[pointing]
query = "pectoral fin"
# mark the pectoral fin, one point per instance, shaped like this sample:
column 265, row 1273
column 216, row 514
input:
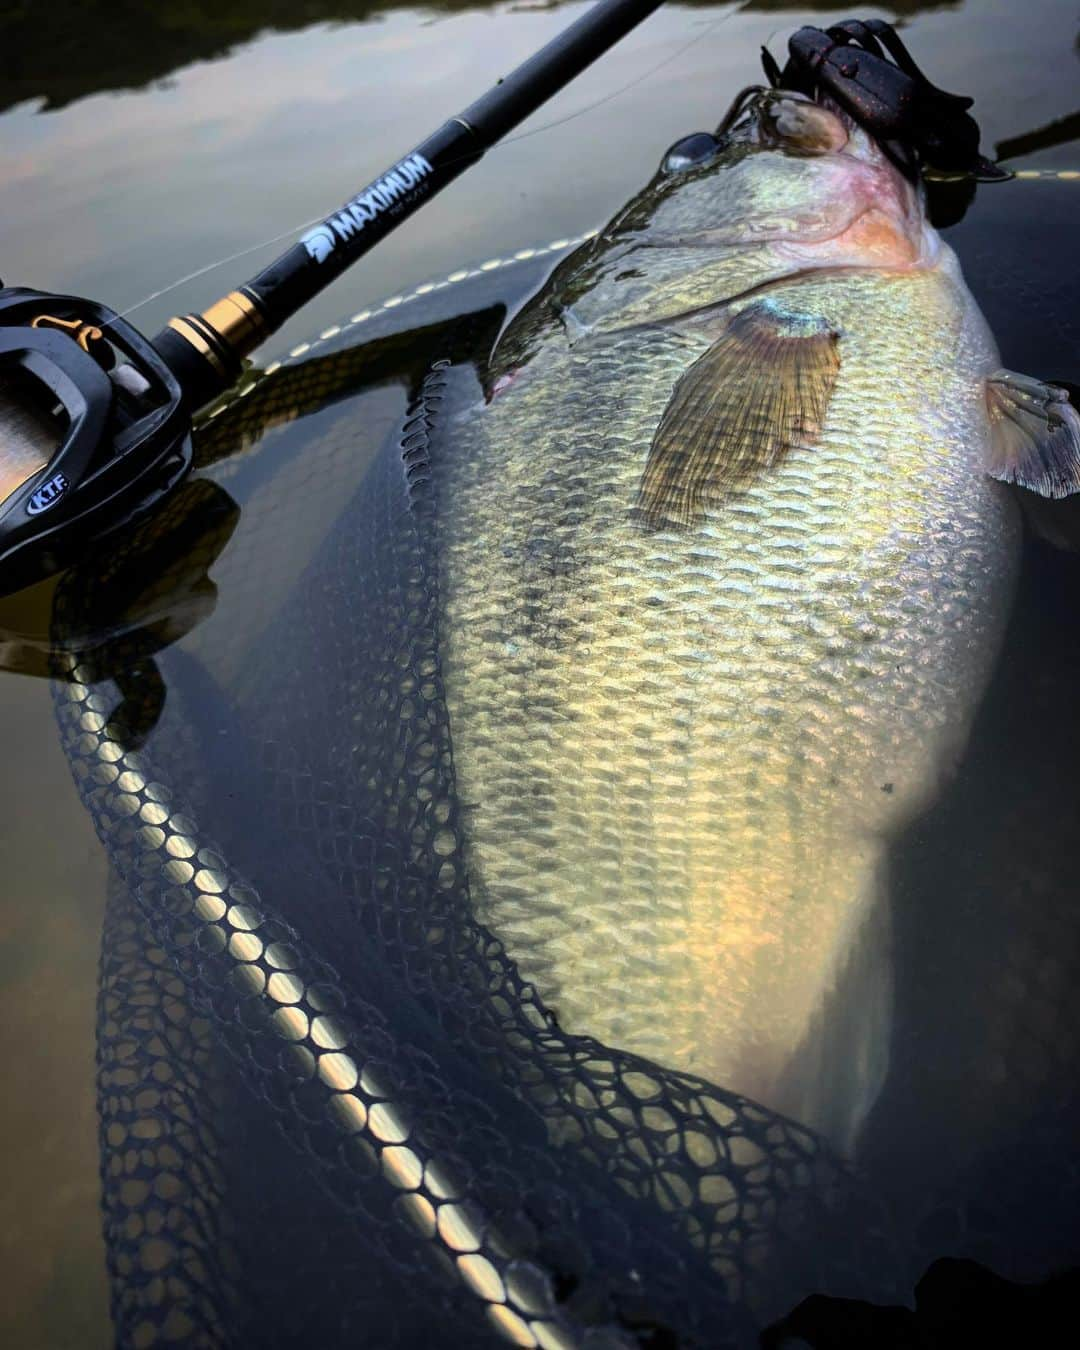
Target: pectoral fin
column 1035, row 435
column 761, row 389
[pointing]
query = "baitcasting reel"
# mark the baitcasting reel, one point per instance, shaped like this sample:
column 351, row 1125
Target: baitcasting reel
column 93, row 424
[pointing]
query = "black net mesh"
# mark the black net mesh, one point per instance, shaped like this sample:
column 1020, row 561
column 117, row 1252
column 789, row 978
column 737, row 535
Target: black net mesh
column 331, row 1109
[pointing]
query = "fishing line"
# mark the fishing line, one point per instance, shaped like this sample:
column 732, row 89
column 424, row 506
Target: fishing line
column 221, row 262
column 616, row 93
column 548, row 126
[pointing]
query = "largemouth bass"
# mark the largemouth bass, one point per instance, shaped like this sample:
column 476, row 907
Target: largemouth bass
column 724, row 573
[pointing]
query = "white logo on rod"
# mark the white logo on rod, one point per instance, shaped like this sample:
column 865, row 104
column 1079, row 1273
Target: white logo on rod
column 390, row 190
column 319, row 242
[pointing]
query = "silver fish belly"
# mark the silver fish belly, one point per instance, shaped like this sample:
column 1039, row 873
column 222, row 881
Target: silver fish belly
column 683, row 753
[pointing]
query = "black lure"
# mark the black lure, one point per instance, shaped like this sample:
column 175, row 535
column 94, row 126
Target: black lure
column 920, row 126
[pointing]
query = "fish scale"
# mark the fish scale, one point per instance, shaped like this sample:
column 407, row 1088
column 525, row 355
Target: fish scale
column 685, row 752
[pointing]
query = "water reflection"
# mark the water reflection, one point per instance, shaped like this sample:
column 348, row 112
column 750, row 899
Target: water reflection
column 70, row 49
column 144, row 593
column 1062, row 131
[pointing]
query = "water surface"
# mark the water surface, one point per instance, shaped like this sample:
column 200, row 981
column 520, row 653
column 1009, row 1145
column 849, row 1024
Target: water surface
column 138, row 148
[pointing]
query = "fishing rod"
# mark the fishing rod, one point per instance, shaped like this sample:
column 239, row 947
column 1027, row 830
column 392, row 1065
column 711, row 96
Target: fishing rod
column 95, row 419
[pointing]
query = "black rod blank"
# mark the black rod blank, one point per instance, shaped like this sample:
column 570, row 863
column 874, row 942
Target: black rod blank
column 205, row 352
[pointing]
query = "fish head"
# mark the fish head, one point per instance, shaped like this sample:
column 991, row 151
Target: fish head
column 786, row 176
column 782, row 187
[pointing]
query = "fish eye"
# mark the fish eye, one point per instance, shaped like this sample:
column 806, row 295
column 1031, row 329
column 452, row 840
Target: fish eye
column 691, row 150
